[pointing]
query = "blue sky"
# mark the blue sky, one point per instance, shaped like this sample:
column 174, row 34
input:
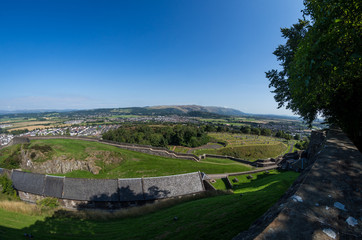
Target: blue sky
column 95, row 54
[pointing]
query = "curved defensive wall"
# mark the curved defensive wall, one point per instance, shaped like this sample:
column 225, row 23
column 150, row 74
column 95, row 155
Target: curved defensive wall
column 110, row 193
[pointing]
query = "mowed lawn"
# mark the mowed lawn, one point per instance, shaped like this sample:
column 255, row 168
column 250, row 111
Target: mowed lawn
column 132, row 164
column 219, row 217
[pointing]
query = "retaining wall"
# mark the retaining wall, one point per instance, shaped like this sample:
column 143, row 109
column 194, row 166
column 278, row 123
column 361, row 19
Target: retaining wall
column 76, row 191
column 230, row 158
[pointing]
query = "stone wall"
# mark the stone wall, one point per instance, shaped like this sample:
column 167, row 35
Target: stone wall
column 230, row 158
column 324, row 202
column 82, row 192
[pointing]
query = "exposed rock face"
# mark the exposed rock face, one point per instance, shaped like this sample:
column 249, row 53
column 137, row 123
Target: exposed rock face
column 63, row 164
column 59, row 165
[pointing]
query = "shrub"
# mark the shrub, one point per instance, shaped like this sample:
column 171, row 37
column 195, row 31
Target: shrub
column 48, row 202
column 7, row 186
column 42, row 148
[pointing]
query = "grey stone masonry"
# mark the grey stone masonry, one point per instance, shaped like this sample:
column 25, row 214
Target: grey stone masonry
column 324, row 202
column 91, row 189
column 107, row 190
column 28, row 182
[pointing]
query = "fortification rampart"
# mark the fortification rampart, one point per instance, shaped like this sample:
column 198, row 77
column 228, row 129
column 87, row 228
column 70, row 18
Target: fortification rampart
column 324, row 202
column 228, row 157
column 79, row 192
column 157, row 151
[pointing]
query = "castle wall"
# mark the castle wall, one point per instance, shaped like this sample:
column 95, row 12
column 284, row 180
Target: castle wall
column 324, row 202
column 110, row 193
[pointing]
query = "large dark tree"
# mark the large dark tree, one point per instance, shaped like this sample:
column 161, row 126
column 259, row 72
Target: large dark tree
column 322, row 65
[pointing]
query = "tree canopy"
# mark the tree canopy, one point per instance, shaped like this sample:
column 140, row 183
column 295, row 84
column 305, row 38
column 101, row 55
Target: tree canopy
column 322, row 65
column 159, row 136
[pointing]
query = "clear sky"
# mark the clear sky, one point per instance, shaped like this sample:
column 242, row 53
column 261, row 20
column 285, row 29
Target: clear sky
column 94, row 54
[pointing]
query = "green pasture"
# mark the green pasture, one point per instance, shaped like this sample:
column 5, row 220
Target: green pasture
column 250, row 153
column 129, row 164
column 240, row 139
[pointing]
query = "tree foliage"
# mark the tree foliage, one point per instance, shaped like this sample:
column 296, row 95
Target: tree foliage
column 322, row 65
column 7, row 186
column 159, row 136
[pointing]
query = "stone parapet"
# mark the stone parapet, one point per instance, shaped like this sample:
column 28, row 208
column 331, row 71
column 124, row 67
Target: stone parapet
column 324, row 202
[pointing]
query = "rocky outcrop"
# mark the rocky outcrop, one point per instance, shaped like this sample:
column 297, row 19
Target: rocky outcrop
column 63, row 164
column 59, row 165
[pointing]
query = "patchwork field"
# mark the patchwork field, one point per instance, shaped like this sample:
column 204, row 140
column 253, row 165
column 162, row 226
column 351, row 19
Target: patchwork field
column 124, row 164
column 31, row 124
column 218, row 217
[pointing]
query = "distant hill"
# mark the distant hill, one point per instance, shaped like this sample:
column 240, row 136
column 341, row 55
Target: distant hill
column 185, row 109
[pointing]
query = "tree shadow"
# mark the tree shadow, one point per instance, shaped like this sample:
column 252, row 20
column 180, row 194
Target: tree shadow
column 333, row 178
column 62, row 225
column 126, row 197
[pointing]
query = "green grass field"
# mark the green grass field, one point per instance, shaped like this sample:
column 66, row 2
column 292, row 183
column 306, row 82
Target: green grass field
column 219, row 217
column 240, row 139
column 246, row 146
column 130, row 164
column 250, row 153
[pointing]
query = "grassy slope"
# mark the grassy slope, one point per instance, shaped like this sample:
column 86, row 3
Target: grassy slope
column 220, row 217
column 246, row 146
column 251, row 153
column 133, row 164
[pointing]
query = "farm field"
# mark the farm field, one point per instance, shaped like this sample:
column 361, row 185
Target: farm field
column 31, row 124
column 218, row 217
column 126, row 164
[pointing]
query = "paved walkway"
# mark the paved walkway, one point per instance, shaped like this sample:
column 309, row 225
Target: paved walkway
column 291, row 148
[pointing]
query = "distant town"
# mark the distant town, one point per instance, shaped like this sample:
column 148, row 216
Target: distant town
column 94, row 123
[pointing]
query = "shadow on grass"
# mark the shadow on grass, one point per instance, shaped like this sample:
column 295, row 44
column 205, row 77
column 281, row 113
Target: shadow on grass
column 247, row 209
column 259, row 180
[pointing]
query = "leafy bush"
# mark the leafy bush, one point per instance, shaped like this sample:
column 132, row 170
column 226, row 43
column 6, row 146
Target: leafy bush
column 42, row 148
column 32, row 155
column 48, row 202
column 12, row 161
column 302, row 145
column 7, row 186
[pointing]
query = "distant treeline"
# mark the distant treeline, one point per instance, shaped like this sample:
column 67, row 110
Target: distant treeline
column 14, row 132
column 159, row 136
column 189, row 135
